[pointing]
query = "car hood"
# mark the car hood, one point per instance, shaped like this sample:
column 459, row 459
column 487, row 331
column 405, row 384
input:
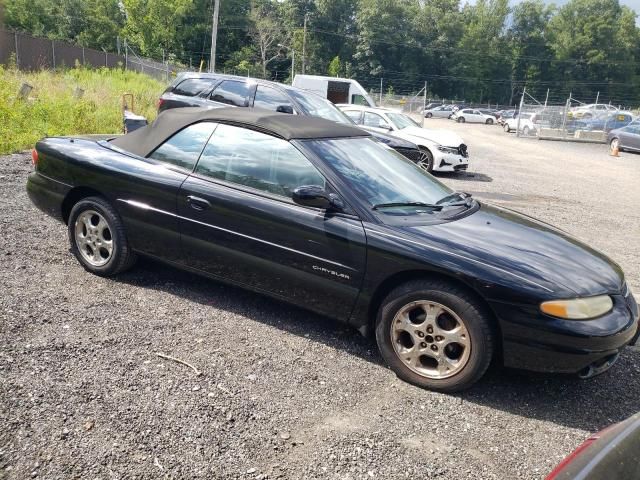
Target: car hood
column 529, row 250
column 441, row 137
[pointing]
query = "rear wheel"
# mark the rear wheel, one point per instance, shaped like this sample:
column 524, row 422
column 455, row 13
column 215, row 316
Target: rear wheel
column 489, row 121
column 435, row 334
column 426, row 160
column 97, row 237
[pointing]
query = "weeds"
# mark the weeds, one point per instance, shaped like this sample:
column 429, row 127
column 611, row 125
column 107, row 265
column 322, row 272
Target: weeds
column 53, row 109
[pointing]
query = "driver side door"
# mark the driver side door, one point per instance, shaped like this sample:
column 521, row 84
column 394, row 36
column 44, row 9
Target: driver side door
column 375, row 122
column 239, row 223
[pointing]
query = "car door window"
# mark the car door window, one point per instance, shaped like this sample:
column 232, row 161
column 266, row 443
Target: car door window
column 256, row 160
column 354, row 115
column 232, row 93
column 271, row 99
column 193, row 86
column 373, row 120
column 183, row 148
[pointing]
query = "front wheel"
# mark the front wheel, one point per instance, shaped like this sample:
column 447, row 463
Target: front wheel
column 429, row 115
column 615, row 144
column 525, row 131
column 435, row 334
column 97, row 237
column 489, row 121
column 461, row 120
column 426, row 160
column 506, row 128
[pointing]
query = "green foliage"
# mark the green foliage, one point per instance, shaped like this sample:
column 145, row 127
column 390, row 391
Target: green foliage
column 54, row 110
column 480, row 51
column 335, row 67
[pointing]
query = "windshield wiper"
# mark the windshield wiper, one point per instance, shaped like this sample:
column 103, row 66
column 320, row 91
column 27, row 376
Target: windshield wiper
column 408, row 204
column 465, row 200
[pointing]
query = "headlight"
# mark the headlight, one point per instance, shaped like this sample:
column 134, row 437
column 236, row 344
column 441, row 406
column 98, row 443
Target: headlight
column 447, row 149
column 578, row 308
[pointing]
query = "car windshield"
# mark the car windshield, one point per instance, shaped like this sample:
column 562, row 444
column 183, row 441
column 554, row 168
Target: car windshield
column 381, row 177
column 316, row 106
column 401, row 121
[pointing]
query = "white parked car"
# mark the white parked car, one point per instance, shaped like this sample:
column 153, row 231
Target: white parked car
column 442, row 111
column 591, row 110
column 526, row 125
column 444, row 151
column 472, row 115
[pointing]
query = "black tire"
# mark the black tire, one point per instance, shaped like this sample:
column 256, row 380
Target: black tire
column 525, row 131
column 121, row 257
column 461, row 120
column 489, row 121
column 429, row 115
column 475, row 317
column 506, row 128
column 426, row 163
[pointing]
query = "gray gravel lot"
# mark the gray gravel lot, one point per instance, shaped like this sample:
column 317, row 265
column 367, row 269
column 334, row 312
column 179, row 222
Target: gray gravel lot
column 285, row 393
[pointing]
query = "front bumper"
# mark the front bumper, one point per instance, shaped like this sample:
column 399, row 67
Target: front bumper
column 449, row 162
column 534, row 341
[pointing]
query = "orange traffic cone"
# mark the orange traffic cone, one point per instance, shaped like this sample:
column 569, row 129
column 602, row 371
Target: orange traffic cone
column 615, row 151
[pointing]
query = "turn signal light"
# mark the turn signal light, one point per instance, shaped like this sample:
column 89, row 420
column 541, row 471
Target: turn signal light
column 34, row 157
column 578, row 308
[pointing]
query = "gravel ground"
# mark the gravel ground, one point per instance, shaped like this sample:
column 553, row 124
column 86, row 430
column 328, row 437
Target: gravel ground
column 284, row 393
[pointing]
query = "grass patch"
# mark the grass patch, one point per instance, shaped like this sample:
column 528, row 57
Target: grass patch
column 52, row 108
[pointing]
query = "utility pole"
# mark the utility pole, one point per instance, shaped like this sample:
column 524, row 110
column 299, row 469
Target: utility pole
column 214, row 36
column 380, row 101
column 424, row 103
column 293, row 64
column 304, row 43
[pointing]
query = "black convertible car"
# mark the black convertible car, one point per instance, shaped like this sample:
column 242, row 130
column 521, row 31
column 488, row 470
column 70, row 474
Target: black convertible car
column 322, row 216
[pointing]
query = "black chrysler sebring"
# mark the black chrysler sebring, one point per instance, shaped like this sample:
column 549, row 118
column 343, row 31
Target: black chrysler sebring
column 320, row 215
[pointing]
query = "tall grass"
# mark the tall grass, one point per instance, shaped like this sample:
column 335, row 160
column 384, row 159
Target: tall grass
column 53, row 108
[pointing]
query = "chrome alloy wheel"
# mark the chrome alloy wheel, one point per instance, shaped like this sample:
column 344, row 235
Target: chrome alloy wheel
column 430, row 339
column 425, row 162
column 93, row 238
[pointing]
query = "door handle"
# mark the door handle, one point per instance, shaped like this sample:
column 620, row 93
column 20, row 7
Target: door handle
column 198, row 203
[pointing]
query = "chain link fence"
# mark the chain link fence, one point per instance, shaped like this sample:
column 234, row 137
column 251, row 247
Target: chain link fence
column 34, row 53
column 573, row 120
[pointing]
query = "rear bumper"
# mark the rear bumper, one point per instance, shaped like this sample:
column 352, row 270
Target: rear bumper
column 534, row 341
column 47, row 194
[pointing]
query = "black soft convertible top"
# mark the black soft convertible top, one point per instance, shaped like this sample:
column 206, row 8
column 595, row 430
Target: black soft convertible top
column 145, row 140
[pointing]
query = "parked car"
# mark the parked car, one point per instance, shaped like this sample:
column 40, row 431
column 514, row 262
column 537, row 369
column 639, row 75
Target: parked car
column 524, row 122
column 604, row 123
column 613, row 453
column 194, row 89
column 318, row 214
column 336, row 90
column 442, row 111
column 590, row 110
column 489, row 112
column 625, row 138
column 444, row 151
column 506, row 115
column 472, row 115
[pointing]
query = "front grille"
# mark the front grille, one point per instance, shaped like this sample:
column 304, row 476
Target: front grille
column 462, row 149
column 412, row 154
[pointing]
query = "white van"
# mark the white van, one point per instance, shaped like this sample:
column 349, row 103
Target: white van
column 334, row 89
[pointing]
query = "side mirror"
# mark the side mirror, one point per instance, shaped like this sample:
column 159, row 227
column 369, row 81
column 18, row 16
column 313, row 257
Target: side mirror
column 384, row 125
column 284, row 109
column 317, row 197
